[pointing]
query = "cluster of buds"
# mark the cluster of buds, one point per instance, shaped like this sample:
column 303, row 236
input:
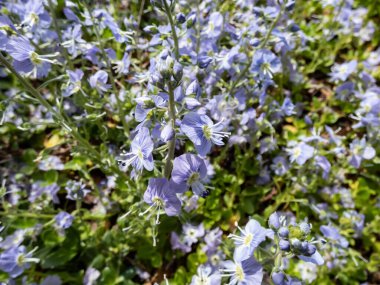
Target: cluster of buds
column 168, row 71
column 294, row 238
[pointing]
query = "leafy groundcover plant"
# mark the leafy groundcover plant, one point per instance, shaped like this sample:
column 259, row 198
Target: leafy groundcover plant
column 189, row 142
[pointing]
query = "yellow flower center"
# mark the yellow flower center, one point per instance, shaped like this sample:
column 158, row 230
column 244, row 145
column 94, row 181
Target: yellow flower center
column 239, row 273
column 247, row 240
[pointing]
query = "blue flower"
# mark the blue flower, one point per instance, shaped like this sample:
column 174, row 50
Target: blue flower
column 315, row 258
column 300, row 153
column 76, row 190
column 332, row 233
column 214, row 27
column 73, row 40
column 34, row 15
column 38, row 189
column 26, row 59
column 201, row 130
column 140, row 155
column 288, row 107
column 52, row 280
column 91, row 276
column 243, row 271
column 15, row 260
column 122, row 66
column 189, row 171
column 204, row 61
column 274, row 221
column 343, row 71
column 360, row 150
column 213, row 239
column 250, row 238
column 63, row 220
column 193, row 233
column 75, row 82
column 265, row 63
column 51, row 162
column 5, row 26
column 324, row 164
column 280, row 165
column 99, row 81
column 206, row 276
column 160, row 195
column 193, row 89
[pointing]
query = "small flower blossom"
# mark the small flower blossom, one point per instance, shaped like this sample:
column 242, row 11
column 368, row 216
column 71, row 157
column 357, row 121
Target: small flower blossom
column 360, row 150
column 193, row 233
column 343, row 71
column 203, row 132
column 76, row 190
column 122, row 66
column 332, row 234
column 75, row 82
column 301, row 153
column 140, row 155
column 250, row 238
column 26, row 59
column 38, row 189
column 15, row 260
column 52, row 162
column 308, row 271
column 160, row 195
column 63, row 220
column 189, row 171
column 265, row 64
column 205, row 276
column 91, row 276
column 242, row 271
column 99, row 81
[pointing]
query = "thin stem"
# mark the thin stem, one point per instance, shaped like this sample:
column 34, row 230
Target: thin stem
column 175, row 38
column 59, row 119
column 141, row 11
column 198, row 29
column 112, row 78
column 59, row 34
column 171, row 144
column 263, row 43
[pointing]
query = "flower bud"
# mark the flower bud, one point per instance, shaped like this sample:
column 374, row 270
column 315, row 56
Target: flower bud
column 167, row 133
column 305, row 228
column 254, row 42
column 283, row 232
column 192, row 89
column 204, row 61
column 284, row 245
column 191, row 21
column 157, row 80
column 164, row 54
column 181, row 18
column 296, row 243
column 274, row 221
column 311, row 249
column 177, row 71
column 294, row 28
column 278, row 278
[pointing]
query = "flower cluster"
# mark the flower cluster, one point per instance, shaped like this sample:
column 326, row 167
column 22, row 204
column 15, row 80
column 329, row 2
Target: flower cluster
column 134, row 136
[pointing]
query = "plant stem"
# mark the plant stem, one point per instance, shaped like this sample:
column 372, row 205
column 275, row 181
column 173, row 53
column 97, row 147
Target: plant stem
column 172, row 115
column 59, row 34
column 263, row 44
column 58, row 118
column 175, row 38
column 171, row 144
column 112, row 78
